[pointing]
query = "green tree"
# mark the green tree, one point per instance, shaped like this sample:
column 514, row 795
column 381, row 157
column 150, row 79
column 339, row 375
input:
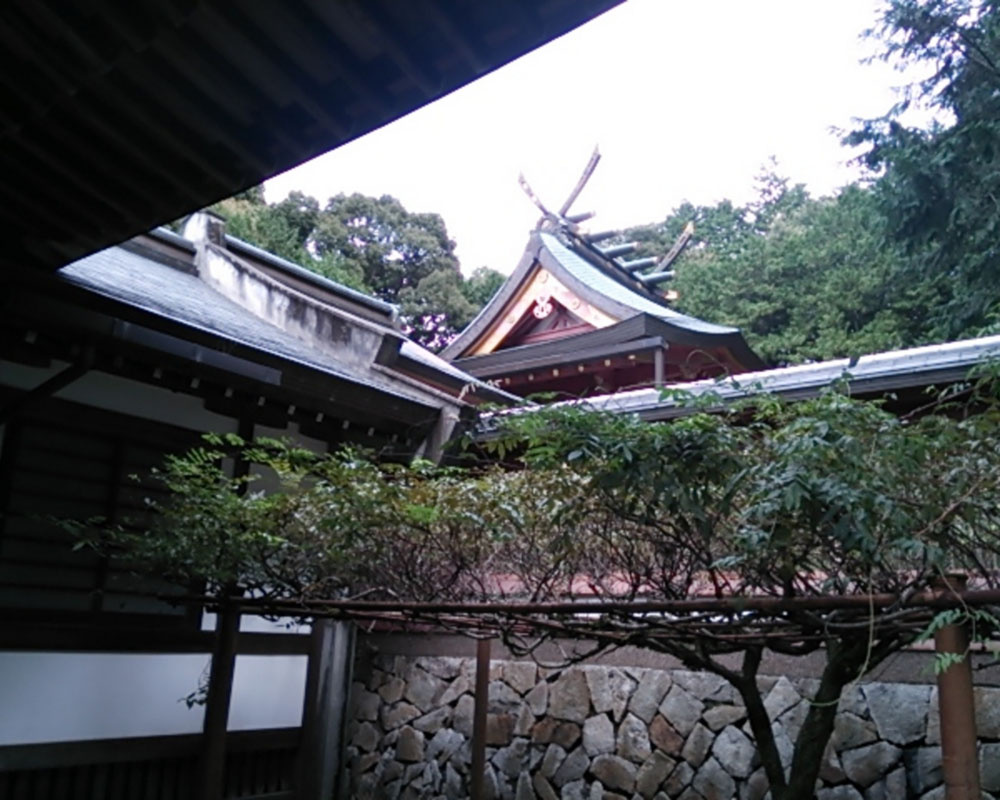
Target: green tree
column 481, row 285
column 804, row 278
column 939, row 184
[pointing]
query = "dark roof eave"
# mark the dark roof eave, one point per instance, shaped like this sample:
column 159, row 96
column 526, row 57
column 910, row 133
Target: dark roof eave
column 293, row 373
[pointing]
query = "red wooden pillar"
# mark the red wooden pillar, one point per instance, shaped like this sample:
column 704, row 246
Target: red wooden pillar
column 959, row 758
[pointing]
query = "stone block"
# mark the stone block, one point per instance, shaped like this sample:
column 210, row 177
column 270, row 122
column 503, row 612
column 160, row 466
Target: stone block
column 989, row 766
column 499, row 729
column 614, row 772
column 524, row 790
column 649, row 694
column 735, row 752
column 392, row 690
column 553, row 759
column 366, row 737
column 461, row 685
column 521, row 676
column 443, row 744
column 461, row 719
column 433, row 721
column 422, row 688
column 663, row 735
column 569, row 697
column 699, row 743
column 843, row 792
column 572, row 768
column 410, row 745
column 987, row 711
column 397, row 715
column 899, row 710
column 512, row 759
column 610, row 690
column 653, row 773
column 543, row 788
column 681, row 709
column 867, row 764
column 712, row 782
column 598, row 735
column 783, row 696
column 633, row 739
column 718, row 717
column 503, row 699
column 538, row 699
column 679, row 779
column 566, row 734
column 850, row 731
column 366, row 705
column 705, row 686
column 923, row 768
column 442, row 667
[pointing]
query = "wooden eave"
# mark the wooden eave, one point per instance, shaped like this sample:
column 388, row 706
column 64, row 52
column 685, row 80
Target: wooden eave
column 120, row 117
column 123, row 333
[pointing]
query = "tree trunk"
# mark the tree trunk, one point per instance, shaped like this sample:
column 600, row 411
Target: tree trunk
column 760, row 725
column 844, row 661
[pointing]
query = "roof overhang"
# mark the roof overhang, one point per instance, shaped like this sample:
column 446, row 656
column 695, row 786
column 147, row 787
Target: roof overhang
column 118, row 118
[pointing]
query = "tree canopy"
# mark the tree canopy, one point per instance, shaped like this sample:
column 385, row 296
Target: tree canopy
column 374, row 245
column 806, row 279
column 938, row 185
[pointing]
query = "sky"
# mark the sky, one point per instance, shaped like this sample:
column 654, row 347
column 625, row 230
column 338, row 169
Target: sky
column 686, row 101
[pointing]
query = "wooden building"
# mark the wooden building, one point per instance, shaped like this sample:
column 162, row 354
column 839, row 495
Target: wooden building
column 106, row 366
column 118, row 118
column 576, row 318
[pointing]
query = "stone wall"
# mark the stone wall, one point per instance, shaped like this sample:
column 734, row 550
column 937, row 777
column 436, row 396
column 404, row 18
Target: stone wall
column 603, row 732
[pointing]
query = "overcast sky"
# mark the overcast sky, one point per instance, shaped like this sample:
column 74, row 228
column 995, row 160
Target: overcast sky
column 687, row 100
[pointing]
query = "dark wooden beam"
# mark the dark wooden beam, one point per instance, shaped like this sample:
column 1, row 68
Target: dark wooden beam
column 141, row 748
column 477, row 772
column 220, row 691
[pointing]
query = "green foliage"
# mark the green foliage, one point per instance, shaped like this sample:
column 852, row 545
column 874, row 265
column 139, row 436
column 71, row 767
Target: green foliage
column 938, row 185
column 805, row 279
column 374, row 245
column 830, row 496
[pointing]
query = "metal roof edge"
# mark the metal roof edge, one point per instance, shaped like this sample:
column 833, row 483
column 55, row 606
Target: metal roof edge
column 885, row 371
column 168, row 236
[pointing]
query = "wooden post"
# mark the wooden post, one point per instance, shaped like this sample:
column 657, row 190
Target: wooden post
column 658, row 367
column 220, row 692
column 324, row 716
column 477, row 774
column 956, row 703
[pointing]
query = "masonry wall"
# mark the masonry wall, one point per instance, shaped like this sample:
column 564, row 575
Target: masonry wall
column 607, row 732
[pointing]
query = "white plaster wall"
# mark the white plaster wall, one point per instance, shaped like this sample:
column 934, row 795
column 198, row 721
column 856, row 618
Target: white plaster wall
column 48, row 697
column 51, row 697
column 268, row 692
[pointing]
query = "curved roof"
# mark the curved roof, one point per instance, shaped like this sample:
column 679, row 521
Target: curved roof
column 606, row 287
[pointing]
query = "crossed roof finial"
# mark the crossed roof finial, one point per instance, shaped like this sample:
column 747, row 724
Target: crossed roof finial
column 562, row 220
